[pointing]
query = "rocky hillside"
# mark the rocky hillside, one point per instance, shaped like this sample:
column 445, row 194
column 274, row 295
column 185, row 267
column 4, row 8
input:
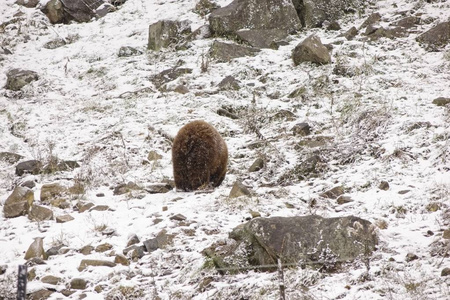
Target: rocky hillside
column 336, row 116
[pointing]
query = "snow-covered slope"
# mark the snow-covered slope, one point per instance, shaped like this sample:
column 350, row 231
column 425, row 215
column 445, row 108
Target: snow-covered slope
column 103, row 111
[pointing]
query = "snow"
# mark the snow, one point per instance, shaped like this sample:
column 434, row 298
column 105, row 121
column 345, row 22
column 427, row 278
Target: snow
column 75, row 111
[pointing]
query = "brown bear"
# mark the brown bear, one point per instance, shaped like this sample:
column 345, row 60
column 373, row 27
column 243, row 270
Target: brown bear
column 199, row 157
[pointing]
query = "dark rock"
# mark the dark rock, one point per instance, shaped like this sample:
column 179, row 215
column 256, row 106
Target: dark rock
column 224, row 52
column 3, row 269
column 54, row 10
column 28, row 184
column 169, row 75
column 80, row 10
column 17, row 79
column 343, row 199
column 40, row 213
column 178, row 217
column 36, row 249
column 277, row 15
column 127, row 51
column 441, row 101
column 313, row 13
column 78, row 284
column 371, row 20
column 257, row 165
column 311, row 50
column 333, row 193
column 82, row 207
column 408, row 22
column 262, row 38
column 56, row 43
column 226, row 113
column 164, row 33
column 158, row 188
column 371, row 29
column 54, row 250
column 239, row 190
column 95, row 263
column 29, row 167
column 326, row 242
column 161, row 240
column 350, row 34
column 334, row 26
column 18, row 203
column 50, row 279
column 411, row 257
column 384, row 185
column 302, row 129
column 133, row 240
column 10, row 158
column 125, row 188
column 435, row 38
column 229, row 83
column 28, row 3
column 445, row 272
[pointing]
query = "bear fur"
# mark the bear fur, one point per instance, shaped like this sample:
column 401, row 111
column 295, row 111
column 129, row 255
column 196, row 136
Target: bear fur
column 199, row 157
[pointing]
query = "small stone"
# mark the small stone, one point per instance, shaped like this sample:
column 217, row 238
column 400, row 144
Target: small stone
column 95, row 263
column 433, row 206
column 82, row 207
column 161, row 240
column 121, row 259
column 257, row 165
column 445, row 272
column 101, row 208
column 50, row 279
column 100, row 195
column 239, row 190
column 86, row 250
column 429, row 233
column 411, row 257
column 384, row 185
column 255, row 214
column 441, row 101
column 311, row 50
column 98, row 289
column 302, row 129
column 36, row 249
column 31, row 274
column 344, row 199
column 402, row 192
column 3, row 269
column 133, row 240
column 178, row 217
column 78, row 284
column 165, row 208
column 350, row 34
column 333, row 193
column 64, row 218
column 125, row 188
column 446, row 234
column 103, row 247
column 153, row 155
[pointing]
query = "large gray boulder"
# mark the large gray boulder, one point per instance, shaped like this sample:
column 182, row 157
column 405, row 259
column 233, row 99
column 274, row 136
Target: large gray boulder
column 16, row 79
column 313, row 13
column 305, row 240
column 312, row 50
column 276, row 17
column 435, row 38
column 64, row 11
column 164, row 33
